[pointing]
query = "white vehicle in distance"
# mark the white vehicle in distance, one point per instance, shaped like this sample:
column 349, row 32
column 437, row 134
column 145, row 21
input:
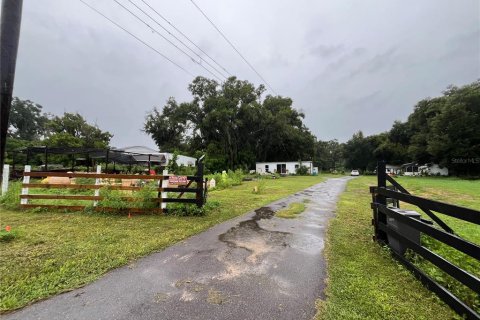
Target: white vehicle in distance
column 355, row 173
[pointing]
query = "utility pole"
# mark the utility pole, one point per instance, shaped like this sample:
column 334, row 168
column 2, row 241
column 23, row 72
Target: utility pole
column 9, row 36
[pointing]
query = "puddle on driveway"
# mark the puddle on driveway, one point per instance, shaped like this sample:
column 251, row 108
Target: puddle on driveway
column 248, row 235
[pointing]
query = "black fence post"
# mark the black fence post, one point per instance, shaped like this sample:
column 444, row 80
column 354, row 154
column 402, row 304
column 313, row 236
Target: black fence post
column 380, row 199
column 200, row 183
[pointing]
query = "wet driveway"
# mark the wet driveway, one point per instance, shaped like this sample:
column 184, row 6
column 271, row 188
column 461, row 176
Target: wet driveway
column 256, row 266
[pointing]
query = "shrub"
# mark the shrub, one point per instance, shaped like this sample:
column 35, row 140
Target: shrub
column 11, row 199
column 302, row 171
column 7, row 236
column 112, row 199
column 259, row 187
column 228, row 179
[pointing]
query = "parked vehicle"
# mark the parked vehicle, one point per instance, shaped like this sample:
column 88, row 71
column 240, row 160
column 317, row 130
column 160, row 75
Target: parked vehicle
column 355, row 173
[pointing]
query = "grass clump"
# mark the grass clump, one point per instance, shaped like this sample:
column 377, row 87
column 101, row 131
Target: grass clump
column 11, row 199
column 293, row 210
column 228, row 179
column 7, row 236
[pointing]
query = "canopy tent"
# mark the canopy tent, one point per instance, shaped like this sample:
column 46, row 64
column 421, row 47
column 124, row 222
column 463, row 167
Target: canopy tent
column 122, row 156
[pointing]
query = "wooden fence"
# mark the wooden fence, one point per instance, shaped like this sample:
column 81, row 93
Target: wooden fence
column 401, row 230
column 129, row 182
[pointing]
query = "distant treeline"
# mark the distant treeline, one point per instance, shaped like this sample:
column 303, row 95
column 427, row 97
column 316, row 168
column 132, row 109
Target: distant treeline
column 29, row 126
column 235, row 126
column 443, row 130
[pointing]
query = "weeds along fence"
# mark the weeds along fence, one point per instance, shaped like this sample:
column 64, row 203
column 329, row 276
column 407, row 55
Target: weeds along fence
column 133, row 193
column 401, row 230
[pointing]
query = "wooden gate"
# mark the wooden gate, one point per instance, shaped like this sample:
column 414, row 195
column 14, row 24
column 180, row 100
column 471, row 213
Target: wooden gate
column 166, row 193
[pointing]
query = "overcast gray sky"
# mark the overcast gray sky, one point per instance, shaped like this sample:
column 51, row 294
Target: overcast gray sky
column 348, row 65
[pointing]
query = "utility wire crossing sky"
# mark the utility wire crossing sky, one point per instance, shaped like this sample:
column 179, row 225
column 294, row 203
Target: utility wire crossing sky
column 347, row 65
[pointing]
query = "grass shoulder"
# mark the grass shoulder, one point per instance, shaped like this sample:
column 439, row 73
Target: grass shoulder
column 364, row 281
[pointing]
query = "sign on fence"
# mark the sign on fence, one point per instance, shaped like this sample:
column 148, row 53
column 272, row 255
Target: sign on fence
column 177, row 180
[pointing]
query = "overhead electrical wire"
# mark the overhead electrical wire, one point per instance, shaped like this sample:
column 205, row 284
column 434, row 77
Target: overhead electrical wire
column 234, row 48
column 137, row 38
column 168, row 40
column 186, row 37
column 179, row 40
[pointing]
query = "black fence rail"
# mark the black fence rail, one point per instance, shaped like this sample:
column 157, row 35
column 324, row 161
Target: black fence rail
column 401, row 230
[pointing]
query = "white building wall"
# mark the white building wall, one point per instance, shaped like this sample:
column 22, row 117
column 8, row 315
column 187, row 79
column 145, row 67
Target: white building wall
column 181, row 160
column 436, row 170
column 290, row 166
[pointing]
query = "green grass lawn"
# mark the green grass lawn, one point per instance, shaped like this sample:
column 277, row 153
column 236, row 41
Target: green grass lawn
column 365, row 282
column 55, row 252
column 293, row 210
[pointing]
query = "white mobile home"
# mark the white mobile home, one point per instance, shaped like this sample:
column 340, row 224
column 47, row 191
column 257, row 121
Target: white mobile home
column 148, row 154
column 429, row 169
column 433, row 169
column 282, row 167
column 393, row 169
column 181, row 160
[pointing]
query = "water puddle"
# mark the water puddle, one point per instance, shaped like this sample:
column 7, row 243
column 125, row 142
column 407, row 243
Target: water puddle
column 250, row 236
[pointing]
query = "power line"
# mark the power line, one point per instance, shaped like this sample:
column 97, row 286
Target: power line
column 137, row 38
column 186, row 37
column 176, row 38
column 161, row 35
column 234, row 48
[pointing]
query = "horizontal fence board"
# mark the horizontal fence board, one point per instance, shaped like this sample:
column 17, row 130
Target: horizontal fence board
column 458, row 212
column 461, row 275
column 102, row 175
column 99, row 198
column 178, row 189
column 59, row 197
column 454, row 241
column 180, row 200
column 427, row 212
column 80, row 208
column 456, row 304
column 53, row 206
column 94, row 187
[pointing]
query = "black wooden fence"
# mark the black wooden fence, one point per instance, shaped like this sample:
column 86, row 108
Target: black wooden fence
column 400, row 229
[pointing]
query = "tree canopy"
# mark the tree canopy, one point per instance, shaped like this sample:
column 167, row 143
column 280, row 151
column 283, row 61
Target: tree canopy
column 232, row 124
column 443, row 130
column 28, row 126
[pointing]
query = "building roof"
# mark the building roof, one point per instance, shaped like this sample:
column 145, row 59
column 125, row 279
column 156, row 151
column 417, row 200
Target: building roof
column 139, row 150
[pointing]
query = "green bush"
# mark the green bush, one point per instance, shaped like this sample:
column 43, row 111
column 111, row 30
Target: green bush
column 302, row 171
column 112, row 199
column 228, row 179
column 7, row 236
column 191, row 210
column 11, row 199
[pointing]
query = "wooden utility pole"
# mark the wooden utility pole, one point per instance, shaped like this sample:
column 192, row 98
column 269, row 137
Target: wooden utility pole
column 9, row 35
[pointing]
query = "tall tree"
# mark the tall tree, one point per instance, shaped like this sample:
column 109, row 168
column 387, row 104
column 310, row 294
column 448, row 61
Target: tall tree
column 72, row 130
column 232, row 124
column 26, row 120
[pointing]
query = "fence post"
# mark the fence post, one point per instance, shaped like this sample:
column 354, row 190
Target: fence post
column 200, row 184
column 6, row 175
column 164, row 185
column 26, row 179
column 98, row 181
column 380, row 199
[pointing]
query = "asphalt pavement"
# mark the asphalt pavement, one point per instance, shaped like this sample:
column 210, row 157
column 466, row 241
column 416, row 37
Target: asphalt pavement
column 256, row 266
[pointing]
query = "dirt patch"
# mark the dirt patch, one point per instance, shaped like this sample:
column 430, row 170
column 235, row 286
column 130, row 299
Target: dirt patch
column 216, row 297
column 160, row 297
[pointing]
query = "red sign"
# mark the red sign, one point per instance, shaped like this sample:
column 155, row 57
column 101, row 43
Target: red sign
column 177, row 180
